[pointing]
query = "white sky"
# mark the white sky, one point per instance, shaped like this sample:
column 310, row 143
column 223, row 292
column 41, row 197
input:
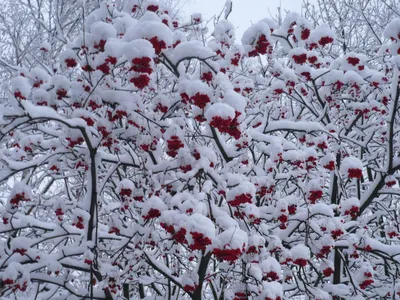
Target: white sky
column 245, row 12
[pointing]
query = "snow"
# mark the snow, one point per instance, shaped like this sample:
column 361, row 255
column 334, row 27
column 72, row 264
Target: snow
column 300, row 252
column 232, row 238
column 270, row 264
column 224, row 29
column 68, row 54
column 102, row 31
column 222, row 110
column 197, row 86
column 149, row 26
column 296, row 126
column 138, row 48
column 272, row 290
column 321, row 209
column 45, row 46
column 252, row 33
column 20, row 243
column 235, row 100
column 392, row 30
column 242, row 188
column 347, row 204
column 223, row 219
column 350, row 162
column 228, row 8
column 190, row 49
column 20, row 84
column 320, row 32
column 201, row 224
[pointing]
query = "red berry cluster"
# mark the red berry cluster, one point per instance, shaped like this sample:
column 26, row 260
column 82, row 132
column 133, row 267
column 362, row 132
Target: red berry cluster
column 59, row 214
column 189, row 288
column 336, row 233
column 61, row 93
column 200, row 100
column 114, row 230
column 199, row 241
column 262, row 46
column 271, row 276
column 141, row 65
column 292, row 209
column 300, row 262
column 140, row 81
column 354, row 173
column 152, row 214
column 174, row 144
column 367, row 281
column 242, row 296
column 314, row 196
column 158, row 45
column 22, row 287
column 240, row 199
column 227, row 254
column 325, row 41
column 78, row 223
column 305, row 34
column 19, row 197
column 353, row 60
column 207, row 77
column 186, row 168
column 21, row 251
column 300, row 59
column 152, row 8
column 327, row 272
column 352, row 212
column 105, row 67
column 236, row 58
column 330, row 166
column 100, row 45
column 179, row 236
column 70, row 63
column 72, row 143
column 113, row 287
column 19, row 95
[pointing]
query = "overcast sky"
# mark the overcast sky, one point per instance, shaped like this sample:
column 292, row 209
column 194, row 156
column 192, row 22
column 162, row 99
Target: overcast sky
column 244, row 11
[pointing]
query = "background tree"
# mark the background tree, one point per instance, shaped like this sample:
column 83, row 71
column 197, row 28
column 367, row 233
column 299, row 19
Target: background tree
column 358, row 24
column 152, row 161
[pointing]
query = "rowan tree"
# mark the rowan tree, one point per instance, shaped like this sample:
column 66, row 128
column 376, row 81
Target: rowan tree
column 156, row 162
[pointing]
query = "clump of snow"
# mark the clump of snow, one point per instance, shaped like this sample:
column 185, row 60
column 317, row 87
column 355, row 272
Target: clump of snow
column 222, row 110
column 138, row 48
column 300, row 255
column 152, row 208
column 272, row 290
column 271, row 269
column 191, row 49
column 351, row 167
column 350, row 207
column 235, row 100
column 224, row 31
column 69, row 58
column 243, row 193
column 45, row 47
column 392, row 30
column 102, row 31
column 151, row 28
column 322, row 36
column 125, row 187
column 20, row 245
column 230, row 244
column 20, row 87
